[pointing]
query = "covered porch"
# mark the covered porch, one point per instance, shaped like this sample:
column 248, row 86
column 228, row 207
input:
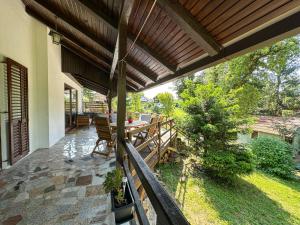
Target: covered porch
column 116, row 47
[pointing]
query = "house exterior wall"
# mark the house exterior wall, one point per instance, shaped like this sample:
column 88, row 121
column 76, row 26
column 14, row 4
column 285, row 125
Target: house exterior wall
column 56, row 81
column 26, row 41
column 21, row 40
column 243, row 138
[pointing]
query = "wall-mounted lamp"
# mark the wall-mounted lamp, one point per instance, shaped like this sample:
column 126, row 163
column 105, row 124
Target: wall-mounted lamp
column 56, row 37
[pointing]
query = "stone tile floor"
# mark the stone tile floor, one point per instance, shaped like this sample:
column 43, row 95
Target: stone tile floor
column 59, row 185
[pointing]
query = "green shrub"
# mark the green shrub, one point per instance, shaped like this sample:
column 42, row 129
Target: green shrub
column 227, row 164
column 274, row 156
column 287, row 113
column 212, row 122
column 179, row 115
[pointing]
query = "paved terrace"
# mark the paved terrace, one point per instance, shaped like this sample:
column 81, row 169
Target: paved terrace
column 59, row 185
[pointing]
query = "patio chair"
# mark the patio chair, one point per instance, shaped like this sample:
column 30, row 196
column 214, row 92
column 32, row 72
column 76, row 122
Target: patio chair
column 145, row 117
column 105, row 133
column 113, row 117
column 149, row 133
column 83, row 120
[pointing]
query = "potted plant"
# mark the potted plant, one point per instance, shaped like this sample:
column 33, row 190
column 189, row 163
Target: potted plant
column 130, row 119
column 122, row 201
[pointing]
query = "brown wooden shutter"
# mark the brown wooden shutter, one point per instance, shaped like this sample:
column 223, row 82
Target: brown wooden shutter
column 17, row 84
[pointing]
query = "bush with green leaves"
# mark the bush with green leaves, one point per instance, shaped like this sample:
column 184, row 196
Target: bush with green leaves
column 227, row 164
column 212, row 121
column 273, row 156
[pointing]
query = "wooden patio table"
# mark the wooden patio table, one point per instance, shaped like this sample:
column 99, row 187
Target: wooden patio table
column 129, row 126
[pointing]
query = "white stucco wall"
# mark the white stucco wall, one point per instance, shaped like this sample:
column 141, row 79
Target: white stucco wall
column 56, row 81
column 26, row 41
column 20, row 39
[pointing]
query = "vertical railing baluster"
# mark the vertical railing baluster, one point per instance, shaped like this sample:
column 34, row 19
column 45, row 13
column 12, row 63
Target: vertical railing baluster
column 159, row 141
column 129, row 135
column 171, row 130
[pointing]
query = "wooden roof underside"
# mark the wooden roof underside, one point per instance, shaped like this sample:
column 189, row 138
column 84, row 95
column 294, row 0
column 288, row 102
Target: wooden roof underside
column 179, row 38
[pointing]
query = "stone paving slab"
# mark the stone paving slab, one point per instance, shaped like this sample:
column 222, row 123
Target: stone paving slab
column 58, row 185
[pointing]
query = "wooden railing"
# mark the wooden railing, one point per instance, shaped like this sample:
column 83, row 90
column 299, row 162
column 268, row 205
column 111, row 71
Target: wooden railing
column 164, row 134
column 139, row 173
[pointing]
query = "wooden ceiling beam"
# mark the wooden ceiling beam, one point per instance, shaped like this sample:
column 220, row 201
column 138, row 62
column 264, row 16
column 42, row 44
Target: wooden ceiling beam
column 89, row 6
column 131, row 84
column 98, row 12
column 84, row 54
column 129, row 64
column 93, row 59
column 96, row 85
column 70, row 36
column 115, row 60
column 136, row 79
column 83, row 31
column 153, row 55
column 70, row 42
column 142, row 71
column 78, row 26
column 192, row 27
column 91, row 85
column 278, row 31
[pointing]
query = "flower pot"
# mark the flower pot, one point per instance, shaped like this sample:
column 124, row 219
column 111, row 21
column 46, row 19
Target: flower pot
column 130, row 120
column 123, row 212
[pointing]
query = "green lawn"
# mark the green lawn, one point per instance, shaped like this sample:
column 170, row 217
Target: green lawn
column 255, row 199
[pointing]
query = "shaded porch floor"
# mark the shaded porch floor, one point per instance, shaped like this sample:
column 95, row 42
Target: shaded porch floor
column 58, row 185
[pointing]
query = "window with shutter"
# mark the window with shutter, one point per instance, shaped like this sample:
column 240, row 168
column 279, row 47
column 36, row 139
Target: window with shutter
column 17, row 84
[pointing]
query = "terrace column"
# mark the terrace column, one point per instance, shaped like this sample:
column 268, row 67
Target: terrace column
column 121, row 111
column 121, row 48
column 109, row 99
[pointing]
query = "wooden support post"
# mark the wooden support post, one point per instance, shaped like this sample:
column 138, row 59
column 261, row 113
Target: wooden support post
column 121, row 87
column 121, row 112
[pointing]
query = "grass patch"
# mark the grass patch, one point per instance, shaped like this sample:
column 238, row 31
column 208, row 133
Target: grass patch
column 255, row 199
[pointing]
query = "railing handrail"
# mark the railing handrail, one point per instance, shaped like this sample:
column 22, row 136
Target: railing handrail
column 138, row 204
column 139, row 129
column 168, row 213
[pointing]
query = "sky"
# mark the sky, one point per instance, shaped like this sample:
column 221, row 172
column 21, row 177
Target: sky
column 168, row 87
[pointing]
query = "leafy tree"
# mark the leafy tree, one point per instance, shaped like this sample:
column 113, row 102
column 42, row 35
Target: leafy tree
column 114, row 104
column 167, row 101
column 247, row 98
column 270, row 74
column 181, row 84
column 134, row 103
column 88, row 95
column 221, row 99
column 212, row 121
column 281, row 64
